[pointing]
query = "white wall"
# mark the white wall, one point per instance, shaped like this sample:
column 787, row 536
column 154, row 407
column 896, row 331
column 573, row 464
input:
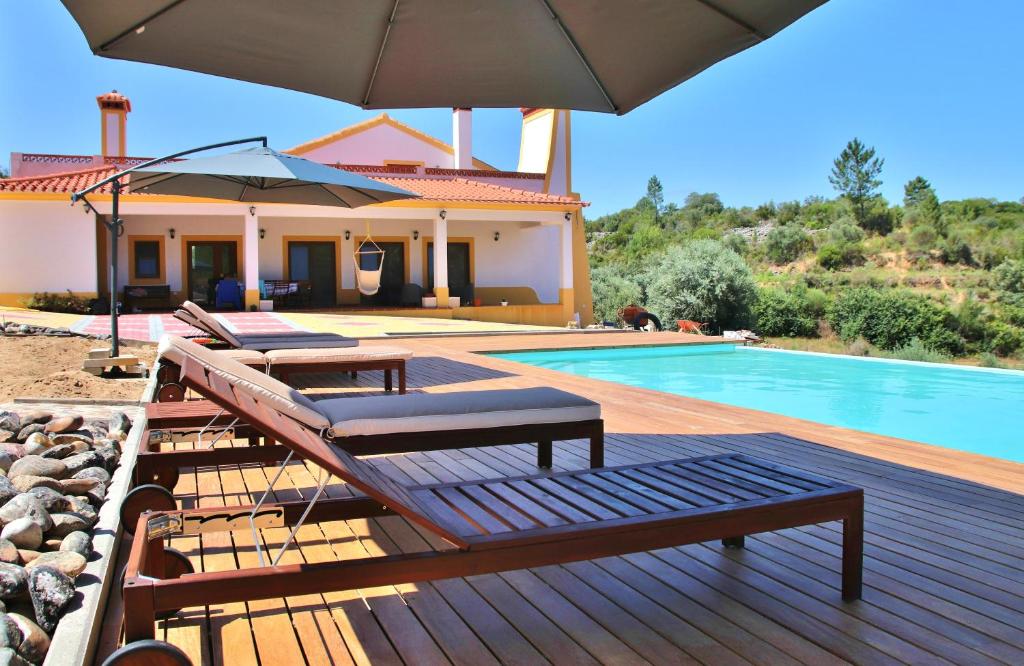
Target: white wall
column 380, row 143
column 47, row 246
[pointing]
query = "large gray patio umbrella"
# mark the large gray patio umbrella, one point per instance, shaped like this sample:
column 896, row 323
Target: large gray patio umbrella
column 591, row 55
column 255, row 174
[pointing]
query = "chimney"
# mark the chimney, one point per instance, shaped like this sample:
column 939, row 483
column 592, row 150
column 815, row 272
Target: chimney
column 114, row 109
column 462, row 137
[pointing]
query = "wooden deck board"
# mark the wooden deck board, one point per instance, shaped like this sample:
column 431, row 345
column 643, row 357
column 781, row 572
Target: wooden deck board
column 944, row 580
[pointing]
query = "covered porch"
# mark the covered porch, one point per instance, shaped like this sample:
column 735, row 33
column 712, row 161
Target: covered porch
column 448, row 262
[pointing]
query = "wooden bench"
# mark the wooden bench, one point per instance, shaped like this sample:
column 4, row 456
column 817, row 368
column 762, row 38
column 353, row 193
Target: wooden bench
column 147, row 296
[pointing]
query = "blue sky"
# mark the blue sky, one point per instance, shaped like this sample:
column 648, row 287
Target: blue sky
column 934, row 85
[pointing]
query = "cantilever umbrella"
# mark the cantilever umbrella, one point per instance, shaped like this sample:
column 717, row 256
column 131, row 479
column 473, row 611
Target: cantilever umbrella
column 256, row 174
column 591, row 55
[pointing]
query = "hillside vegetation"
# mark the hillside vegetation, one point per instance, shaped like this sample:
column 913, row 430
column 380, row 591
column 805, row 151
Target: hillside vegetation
column 923, row 279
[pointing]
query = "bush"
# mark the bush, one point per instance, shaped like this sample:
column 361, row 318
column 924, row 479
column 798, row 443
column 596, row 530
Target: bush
column 612, row 291
column 1008, row 279
column 703, row 281
column 923, row 238
column 989, row 360
column 845, row 230
column 780, row 313
column 69, row 303
column 786, row 243
column 859, row 347
column 915, row 350
column 833, row 256
column 891, row 318
column 1005, row 339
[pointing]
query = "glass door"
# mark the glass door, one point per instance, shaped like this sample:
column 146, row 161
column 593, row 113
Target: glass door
column 208, row 262
column 315, row 263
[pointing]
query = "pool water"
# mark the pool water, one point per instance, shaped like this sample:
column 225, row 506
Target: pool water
column 971, row 409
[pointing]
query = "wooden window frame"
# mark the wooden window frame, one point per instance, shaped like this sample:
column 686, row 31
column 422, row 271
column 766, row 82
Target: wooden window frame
column 161, row 277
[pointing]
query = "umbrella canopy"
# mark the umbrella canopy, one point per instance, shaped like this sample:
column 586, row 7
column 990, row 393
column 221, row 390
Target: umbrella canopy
column 263, row 175
column 563, row 54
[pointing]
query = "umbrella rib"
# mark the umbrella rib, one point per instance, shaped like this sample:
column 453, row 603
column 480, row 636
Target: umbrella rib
column 583, row 59
column 735, row 19
column 131, row 185
column 347, row 204
column 380, row 54
column 121, row 35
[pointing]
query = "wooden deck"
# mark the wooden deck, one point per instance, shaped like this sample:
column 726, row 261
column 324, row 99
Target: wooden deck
column 944, row 580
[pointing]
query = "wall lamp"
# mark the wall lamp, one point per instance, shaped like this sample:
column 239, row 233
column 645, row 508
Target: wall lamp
column 252, row 211
column 567, row 216
column 415, row 234
column 263, row 234
column 171, row 232
column 443, row 214
column 348, row 234
column 497, row 236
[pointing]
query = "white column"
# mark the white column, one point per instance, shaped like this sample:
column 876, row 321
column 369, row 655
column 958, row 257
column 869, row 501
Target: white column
column 462, row 137
column 251, row 261
column 565, row 281
column 441, row 260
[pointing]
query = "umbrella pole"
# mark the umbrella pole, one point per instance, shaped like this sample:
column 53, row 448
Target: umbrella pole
column 115, row 228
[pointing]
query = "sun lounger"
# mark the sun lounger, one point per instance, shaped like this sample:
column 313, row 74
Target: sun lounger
column 361, row 426
column 285, row 354
column 488, row 526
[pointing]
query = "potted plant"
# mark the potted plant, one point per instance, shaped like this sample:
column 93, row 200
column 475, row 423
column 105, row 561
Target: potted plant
column 429, row 300
column 504, row 302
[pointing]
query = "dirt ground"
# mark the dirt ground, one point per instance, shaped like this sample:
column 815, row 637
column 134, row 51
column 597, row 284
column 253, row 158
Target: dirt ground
column 45, row 367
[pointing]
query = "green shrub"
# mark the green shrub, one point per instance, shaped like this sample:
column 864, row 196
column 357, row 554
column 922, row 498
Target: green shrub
column 989, row 360
column 859, row 347
column 1008, row 279
column 891, row 318
column 786, row 243
column 780, row 313
column 612, row 291
column 703, row 281
column 59, row 303
column 833, row 255
column 1013, row 314
column 845, row 230
column 915, row 350
column 1005, row 339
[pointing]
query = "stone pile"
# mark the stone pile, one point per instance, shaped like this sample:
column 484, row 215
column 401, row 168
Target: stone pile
column 54, row 472
column 22, row 330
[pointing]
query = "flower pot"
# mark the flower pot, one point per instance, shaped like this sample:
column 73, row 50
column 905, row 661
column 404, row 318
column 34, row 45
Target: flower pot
column 430, row 301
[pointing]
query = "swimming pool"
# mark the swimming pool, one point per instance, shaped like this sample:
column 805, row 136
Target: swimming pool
column 972, row 409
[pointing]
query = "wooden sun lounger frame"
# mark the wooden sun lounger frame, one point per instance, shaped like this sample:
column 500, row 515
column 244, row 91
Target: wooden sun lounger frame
column 146, row 591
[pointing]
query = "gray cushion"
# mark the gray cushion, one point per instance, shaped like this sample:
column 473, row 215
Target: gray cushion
column 461, row 410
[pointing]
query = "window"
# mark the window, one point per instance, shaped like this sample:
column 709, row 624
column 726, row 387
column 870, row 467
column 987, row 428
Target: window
column 147, row 259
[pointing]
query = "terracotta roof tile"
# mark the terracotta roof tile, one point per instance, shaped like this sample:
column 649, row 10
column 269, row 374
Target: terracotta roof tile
column 430, row 189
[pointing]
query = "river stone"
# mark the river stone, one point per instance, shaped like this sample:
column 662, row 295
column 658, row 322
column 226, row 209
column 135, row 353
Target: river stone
column 36, row 416
column 28, row 506
column 8, row 552
column 51, row 591
column 23, row 533
column 76, row 463
column 65, row 424
column 50, row 545
column 39, row 466
column 66, row 523
column 52, row 499
column 34, row 641
column 110, row 458
column 13, row 580
column 97, row 495
column 119, row 421
column 107, row 442
column 68, row 563
column 28, row 430
column 8, row 656
column 98, row 473
column 26, row 482
column 7, row 490
column 62, row 451
column 36, row 443
column 10, row 421
column 12, row 452
column 77, row 542
column 80, row 437
column 10, row 634
column 79, row 486
column 26, row 555
column 7, row 435
column 81, row 506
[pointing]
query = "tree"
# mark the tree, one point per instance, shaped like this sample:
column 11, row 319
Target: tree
column 702, row 281
column 920, row 199
column 786, row 243
column 656, row 195
column 915, row 191
column 855, row 175
column 3, row 172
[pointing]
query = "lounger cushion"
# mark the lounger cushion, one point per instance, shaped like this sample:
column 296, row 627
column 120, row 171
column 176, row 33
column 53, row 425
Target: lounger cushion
column 285, row 357
column 297, row 340
column 279, row 395
column 245, row 356
column 463, row 410
column 209, row 323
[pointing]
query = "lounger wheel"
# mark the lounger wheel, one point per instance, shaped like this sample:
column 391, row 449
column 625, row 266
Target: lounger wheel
column 148, row 653
column 165, row 374
column 170, row 393
column 166, row 477
column 176, row 565
column 148, row 497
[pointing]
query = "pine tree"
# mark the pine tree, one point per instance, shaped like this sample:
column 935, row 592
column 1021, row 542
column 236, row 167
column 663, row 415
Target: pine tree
column 656, row 197
column 855, row 175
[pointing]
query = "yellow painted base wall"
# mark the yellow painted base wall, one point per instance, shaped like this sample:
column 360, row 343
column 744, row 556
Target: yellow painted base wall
column 537, row 315
column 21, row 300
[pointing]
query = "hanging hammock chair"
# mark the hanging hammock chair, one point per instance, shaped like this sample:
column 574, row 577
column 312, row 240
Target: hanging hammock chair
column 368, row 279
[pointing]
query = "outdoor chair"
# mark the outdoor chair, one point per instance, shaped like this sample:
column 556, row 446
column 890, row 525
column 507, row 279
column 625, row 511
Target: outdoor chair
column 195, row 316
column 487, row 526
column 362, row 426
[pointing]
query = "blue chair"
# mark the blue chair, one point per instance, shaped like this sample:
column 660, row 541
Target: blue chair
column 229, row 294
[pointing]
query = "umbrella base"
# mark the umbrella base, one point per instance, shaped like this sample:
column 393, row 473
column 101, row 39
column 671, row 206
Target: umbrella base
column 99, row 362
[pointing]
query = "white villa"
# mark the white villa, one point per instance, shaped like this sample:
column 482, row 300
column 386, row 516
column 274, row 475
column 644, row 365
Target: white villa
column 476, row 237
